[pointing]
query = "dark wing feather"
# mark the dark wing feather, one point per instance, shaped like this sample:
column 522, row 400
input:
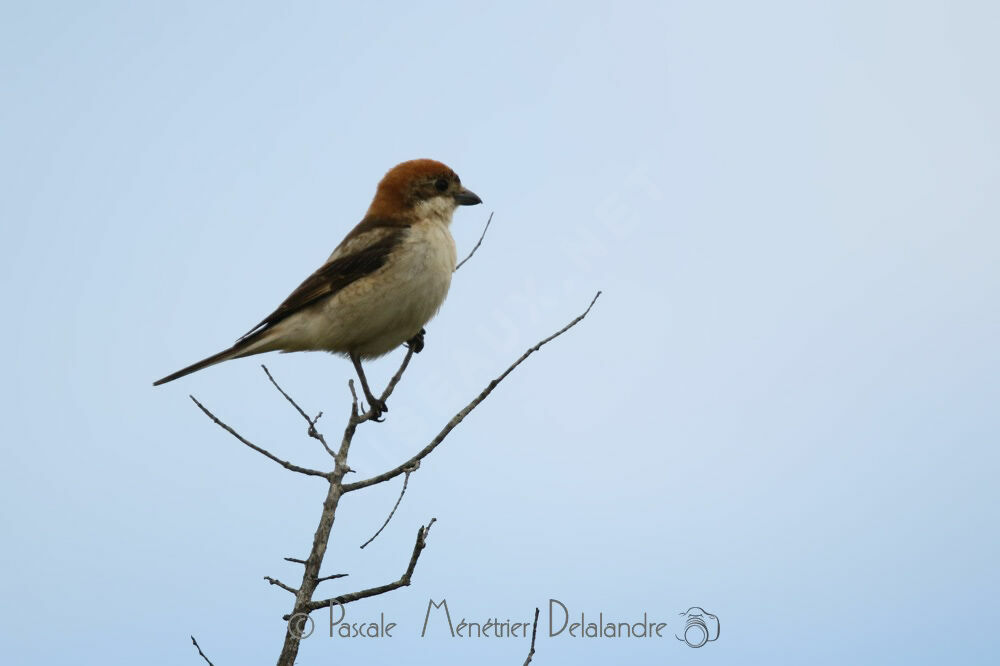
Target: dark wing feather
column 331, row 278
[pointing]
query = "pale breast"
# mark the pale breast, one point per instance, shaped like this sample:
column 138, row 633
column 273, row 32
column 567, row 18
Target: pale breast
column 427, row 262
column 376, row 314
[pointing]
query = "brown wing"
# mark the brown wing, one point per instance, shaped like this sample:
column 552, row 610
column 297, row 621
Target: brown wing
column 333, row 276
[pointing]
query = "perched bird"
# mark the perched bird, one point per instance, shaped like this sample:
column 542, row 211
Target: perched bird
column 381, row 285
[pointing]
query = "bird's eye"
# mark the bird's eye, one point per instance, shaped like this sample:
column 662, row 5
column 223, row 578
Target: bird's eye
column 441, row 184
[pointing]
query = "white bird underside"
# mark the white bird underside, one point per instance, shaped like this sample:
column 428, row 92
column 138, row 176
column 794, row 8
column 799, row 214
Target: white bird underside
column 377, row 313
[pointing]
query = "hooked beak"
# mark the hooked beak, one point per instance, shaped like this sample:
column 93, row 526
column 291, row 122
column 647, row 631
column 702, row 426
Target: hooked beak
column 466, row 197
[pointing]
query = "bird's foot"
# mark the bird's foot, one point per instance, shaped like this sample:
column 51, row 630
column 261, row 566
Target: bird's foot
column 376, row 408
column 416, row 343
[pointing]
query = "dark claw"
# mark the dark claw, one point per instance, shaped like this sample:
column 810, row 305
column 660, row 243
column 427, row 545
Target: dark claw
column 416, row 343
column 377, row 407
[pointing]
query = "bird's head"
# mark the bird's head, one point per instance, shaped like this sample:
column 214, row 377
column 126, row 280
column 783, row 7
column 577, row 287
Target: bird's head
column 421, row 188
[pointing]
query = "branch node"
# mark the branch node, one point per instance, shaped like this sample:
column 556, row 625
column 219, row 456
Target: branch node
column 312, row 432
column 403, row 580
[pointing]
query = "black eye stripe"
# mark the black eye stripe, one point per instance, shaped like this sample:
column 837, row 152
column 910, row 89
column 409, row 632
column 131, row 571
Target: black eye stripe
column 441, row 184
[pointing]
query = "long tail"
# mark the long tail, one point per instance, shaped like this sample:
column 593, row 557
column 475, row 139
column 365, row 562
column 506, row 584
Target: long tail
column 240, row 349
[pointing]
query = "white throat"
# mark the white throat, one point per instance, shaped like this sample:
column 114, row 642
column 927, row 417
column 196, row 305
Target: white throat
column 437, row 209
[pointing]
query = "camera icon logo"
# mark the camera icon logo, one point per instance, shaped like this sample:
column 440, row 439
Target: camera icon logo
column 700, row 627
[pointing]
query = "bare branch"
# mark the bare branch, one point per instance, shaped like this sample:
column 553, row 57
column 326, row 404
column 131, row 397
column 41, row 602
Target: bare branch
column 312, row 432
column 284, row 463
column 478, row 243
column 200, row 652
column 275, row 581
column 406, row 480
column 403, row 581
column 304, row 603
column 460, row 416
column 534, row 632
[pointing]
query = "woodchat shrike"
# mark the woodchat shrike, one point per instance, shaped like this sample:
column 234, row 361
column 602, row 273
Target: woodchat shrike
column 382, row 284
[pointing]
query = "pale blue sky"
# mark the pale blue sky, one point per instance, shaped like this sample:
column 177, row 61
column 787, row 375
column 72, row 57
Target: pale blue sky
column 783, row 408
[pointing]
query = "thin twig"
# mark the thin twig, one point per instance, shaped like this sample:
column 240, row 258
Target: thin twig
column 478, row 243
column 320, row 580
column 406, row 480
column 287, row 397
column 200, row 652
column 354, row 394
column 315, row 434
column 275, row 581
column 534, row 632
column 295, row 559
column 284, row 463
column 403, row 581
column 460, row 416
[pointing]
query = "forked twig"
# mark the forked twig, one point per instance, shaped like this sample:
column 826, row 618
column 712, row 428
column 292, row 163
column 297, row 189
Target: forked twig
column 403, row 580
column 312, row 432
column 284, row 463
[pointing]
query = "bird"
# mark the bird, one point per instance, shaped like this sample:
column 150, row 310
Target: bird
column 381, row 285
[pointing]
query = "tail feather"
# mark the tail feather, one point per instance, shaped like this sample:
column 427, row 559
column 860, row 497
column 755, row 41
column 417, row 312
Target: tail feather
column 245, row 348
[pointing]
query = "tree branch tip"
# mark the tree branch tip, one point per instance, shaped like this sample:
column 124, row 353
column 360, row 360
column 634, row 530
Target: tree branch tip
column 534, row 634
column 287, row 588
column 478, row 243
column 195, row 642
column 402, row 491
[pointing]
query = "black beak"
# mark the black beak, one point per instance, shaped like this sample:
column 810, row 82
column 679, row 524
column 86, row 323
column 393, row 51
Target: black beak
column 467, row 198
